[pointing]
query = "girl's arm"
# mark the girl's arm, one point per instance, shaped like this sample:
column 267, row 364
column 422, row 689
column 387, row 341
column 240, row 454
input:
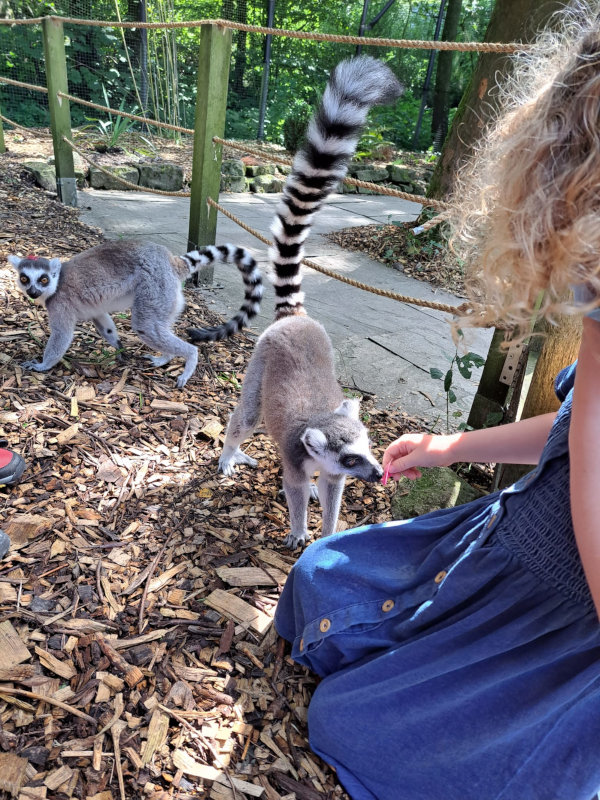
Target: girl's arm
column 584, row 453
column 516, row 443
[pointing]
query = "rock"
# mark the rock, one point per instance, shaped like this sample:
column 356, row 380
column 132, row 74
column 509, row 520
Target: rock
column 80, row 177
column 346, row 188
column 163, row 175
column 254, row 170
column 100, row 180
column 44, row 174
column 234, row 168
column 372, row 174
column 233, row 183
column 439, row 487
column 266, row 183
column 284, row 169
column 399, row 174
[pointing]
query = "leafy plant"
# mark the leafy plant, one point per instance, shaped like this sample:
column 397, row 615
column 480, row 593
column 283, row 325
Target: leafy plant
column 464, row 364
column 112, row 131
column 295, row 125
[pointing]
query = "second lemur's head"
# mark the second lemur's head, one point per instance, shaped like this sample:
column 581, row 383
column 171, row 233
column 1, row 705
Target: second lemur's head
column 36, row 277
column 339, row 443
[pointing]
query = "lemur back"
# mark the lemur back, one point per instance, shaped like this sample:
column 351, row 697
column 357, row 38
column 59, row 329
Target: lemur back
column 143, row 277
column 290, row 380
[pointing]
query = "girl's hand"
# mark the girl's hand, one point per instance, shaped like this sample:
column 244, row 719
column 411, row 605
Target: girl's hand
column 414, row 450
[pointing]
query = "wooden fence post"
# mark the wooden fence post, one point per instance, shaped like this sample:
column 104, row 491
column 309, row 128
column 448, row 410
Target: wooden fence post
column 60, row 112
column 211, row 105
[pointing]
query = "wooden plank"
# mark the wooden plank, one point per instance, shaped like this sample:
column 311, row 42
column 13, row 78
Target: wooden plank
column 239, row 610
column 12, row 649
column 12, row 773
column 251, row 576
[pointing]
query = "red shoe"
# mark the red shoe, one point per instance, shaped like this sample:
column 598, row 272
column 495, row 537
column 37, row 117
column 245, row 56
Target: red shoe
column 12, row 466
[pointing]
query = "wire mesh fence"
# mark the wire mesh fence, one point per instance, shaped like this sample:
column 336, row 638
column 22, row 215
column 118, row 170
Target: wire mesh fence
column 152, row 72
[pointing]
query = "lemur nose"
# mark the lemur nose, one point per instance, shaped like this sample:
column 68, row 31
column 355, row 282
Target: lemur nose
column 33, row 293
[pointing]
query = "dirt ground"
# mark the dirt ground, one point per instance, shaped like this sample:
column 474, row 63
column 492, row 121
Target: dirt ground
column 137, row 652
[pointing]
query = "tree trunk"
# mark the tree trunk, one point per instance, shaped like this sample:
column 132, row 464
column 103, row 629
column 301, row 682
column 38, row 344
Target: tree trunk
column 443, row 75
column 512, row 20
column 560, row 348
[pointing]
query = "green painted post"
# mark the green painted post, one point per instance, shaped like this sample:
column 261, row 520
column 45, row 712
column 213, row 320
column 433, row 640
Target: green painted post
column 60, row 113
column 211, row 105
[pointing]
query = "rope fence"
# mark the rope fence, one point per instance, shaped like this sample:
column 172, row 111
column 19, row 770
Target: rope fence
column 118, row 178
column 336, row 275
column 414, row 44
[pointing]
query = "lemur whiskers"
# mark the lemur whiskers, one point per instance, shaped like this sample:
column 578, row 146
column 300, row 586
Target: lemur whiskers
column 117, row 276
column 290, row 379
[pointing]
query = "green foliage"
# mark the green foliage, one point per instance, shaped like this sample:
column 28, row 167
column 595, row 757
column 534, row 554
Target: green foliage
column 299, row 68
column 295, row 125
column 464, row 364
column 112, row 131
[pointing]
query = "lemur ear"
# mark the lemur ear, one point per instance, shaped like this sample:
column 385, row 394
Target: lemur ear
column 315, row 441
column 349, row 408
column 54, row 266
column 14, row 260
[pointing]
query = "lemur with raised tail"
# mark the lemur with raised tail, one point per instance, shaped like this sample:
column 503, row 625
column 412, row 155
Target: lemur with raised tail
column 290, row 380
column 117, row 276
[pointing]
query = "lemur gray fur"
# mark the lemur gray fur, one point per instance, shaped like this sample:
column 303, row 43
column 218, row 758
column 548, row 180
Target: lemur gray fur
column 143, row 277
column 290, row 380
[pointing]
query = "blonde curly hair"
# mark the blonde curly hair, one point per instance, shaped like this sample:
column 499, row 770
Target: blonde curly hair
column 525, row 213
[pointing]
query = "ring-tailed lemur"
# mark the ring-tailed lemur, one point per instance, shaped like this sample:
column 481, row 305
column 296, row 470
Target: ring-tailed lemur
column 116, row 276
column 290, row 379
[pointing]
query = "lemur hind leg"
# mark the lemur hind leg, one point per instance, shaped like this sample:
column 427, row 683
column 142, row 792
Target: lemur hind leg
column 331, row 488
column 244, row 418
column 156, row 333
column 296, row 495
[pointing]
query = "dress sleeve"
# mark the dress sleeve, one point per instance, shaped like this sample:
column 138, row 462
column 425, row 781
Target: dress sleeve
column 564, row 381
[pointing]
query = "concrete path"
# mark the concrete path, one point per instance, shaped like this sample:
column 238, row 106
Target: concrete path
column 382, row 346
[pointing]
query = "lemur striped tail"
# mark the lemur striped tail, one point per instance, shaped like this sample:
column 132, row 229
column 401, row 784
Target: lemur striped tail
column 228, row 254
column 333, row 133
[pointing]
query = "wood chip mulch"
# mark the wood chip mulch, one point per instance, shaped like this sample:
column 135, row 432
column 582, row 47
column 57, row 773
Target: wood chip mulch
column 420, row 257
column 137, row 653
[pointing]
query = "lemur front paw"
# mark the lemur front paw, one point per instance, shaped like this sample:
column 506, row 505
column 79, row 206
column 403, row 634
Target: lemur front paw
column 294, row 540
column 38, row 366
column 229, row 458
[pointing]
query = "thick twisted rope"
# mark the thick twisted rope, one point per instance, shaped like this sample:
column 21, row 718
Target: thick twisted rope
column 32, row 131
column 117, row 178
column 336, row 275
column 415, row 44
column 23, row 85
column 120, row 113
column 375, row 187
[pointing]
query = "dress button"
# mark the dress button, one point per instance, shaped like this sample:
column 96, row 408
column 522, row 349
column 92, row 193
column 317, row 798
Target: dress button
column 388, row 605
column 491, row 521
column 440, row 576
column 325, row 625
column 301, row 645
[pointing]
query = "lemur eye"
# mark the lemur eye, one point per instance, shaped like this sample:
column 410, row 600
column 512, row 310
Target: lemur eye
column 44, row 280
column 350, row 461
column 24, row 279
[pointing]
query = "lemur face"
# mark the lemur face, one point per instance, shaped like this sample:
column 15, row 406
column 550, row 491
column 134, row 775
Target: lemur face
column 342, row 448
column 37, row 277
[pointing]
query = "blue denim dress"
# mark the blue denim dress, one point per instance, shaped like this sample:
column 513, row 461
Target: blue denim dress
column 460, row 650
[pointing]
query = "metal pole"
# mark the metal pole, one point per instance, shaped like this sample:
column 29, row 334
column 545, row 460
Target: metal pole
column 363, row 22
column 264, row 89
column 432, row 54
